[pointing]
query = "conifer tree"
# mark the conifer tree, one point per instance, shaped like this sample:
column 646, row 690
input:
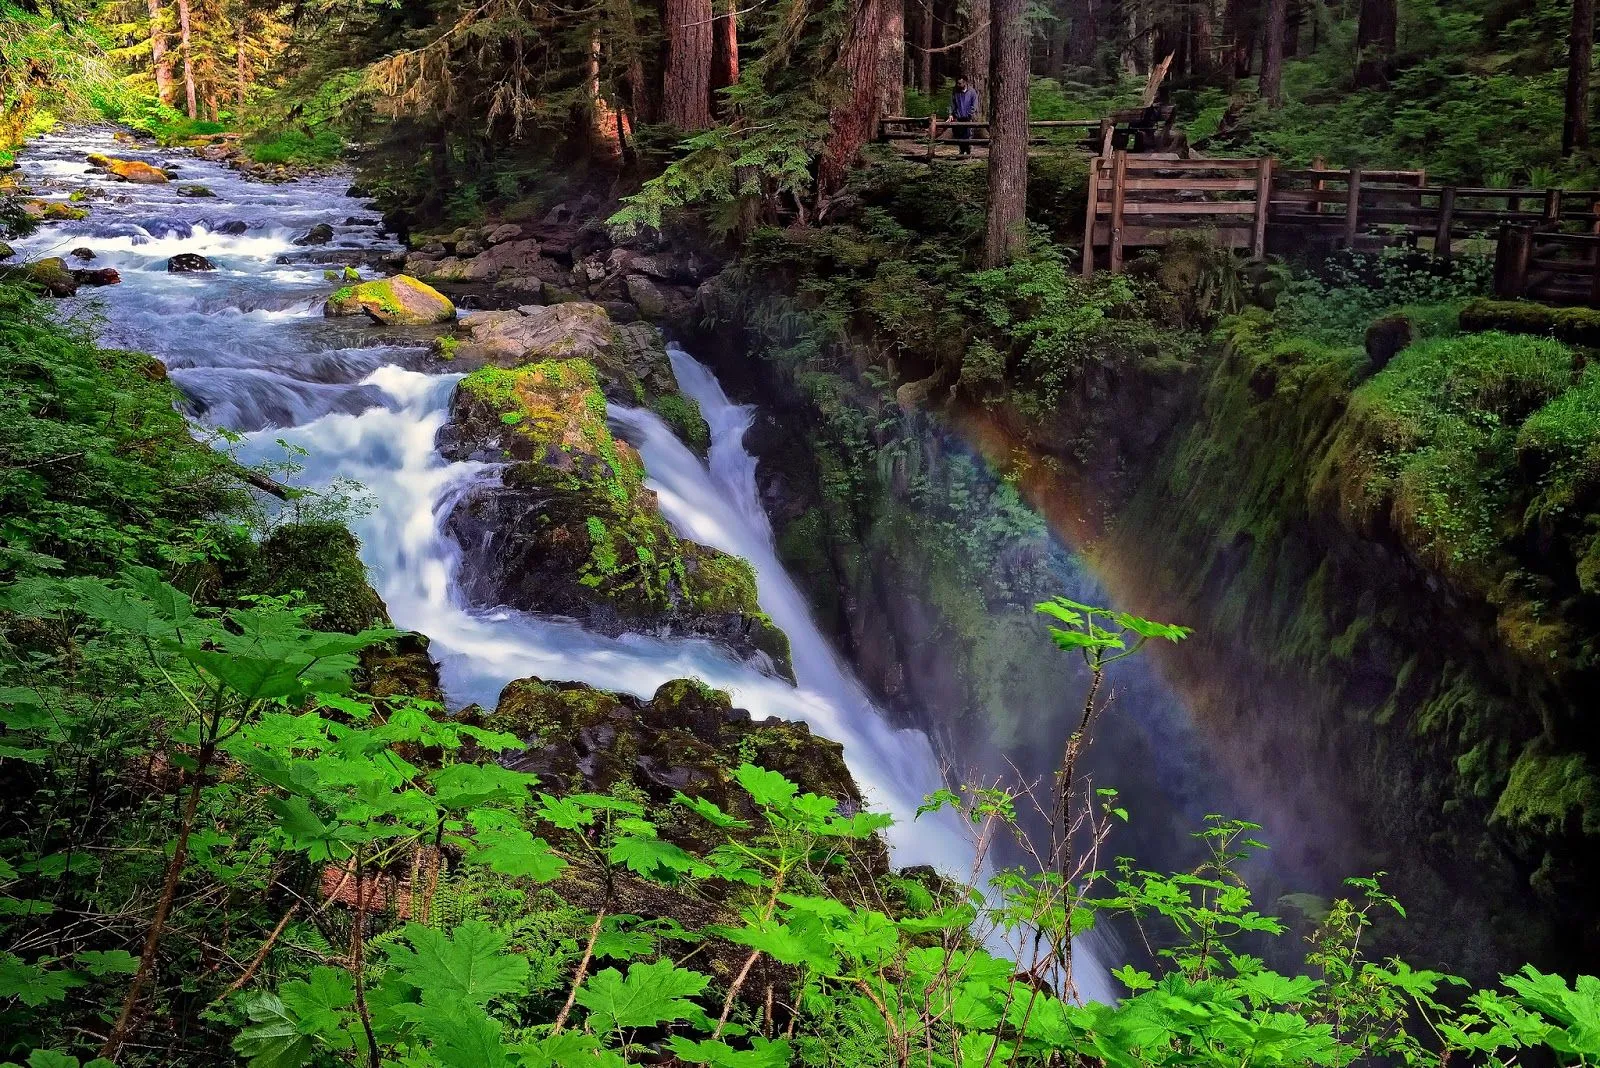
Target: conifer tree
column 1580, row 53
column 1272, row 52
column 160, row 61
column 686, row 84
column 1005, row 234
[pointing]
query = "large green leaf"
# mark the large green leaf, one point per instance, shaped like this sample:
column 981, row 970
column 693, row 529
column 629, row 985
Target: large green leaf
column 650, row 857
column 653, row 993
column 515, row 852
column 467, row 965
column 765, row 787
column 273, row 1039
column 762, row 1054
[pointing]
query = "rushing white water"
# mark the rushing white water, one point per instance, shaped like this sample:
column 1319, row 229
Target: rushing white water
column 249, row 348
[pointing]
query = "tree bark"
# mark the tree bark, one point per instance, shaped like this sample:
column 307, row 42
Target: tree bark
column 725, row 47
column 1272, row 53
column 975, row 54
column 1083, row 40
column 241, row 65
column 159, row 60
column 1005, row 233
column 1202, row 46
column 1580, row 53
column 1239, row 23
column 925, row 41
column 1376, row 30
column 686, row 84
column 188, row 58
column 855, row 118
column 892, row 60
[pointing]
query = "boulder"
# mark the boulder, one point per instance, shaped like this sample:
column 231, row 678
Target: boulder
column 6, row 251
column 104, row 276
column 53, row 210
column 83, row 254
column 186, row 262
column 195, row 191
column 358, row 192
column 234, row 227
column 50, row 274
column 130, row 170
column 1386, row 337
column 504, row 232
column 455, row 269
column 569, row 528
column 397, row 301
column 319, row 234
column 657, row 301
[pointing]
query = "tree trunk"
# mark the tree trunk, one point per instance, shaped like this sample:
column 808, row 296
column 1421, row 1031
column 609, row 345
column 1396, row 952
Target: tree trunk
column 159, row 60
column 1296, row 19
column 686, row 84
column 1239, row 20
column 925, row 53
column 1272, row 53
column 1005, row 234
column 1376, row 30
column 892, row 60
column 1202, row 46
column 975, row 56
column 1580, row 51
column 854, row 119
column 188, row 58
column 725, row 47
column 241, row 66
column 1083, row 39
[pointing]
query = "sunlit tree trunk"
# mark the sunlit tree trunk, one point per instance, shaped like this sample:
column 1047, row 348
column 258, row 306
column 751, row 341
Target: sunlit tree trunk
column 188, row 58
column 1272, row 53
column 1005, row 233
column 892, row 59
column 159, row 60
column 855, row 118
column 1376, row 31
column 725, row 47
column 686, row 85
column 1580, row 52
column 975, row 54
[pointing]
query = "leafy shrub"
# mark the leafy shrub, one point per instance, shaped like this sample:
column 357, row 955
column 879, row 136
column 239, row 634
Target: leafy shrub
column 294, row 146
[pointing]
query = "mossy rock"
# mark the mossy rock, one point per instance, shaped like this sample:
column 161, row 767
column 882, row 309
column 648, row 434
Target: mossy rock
column 1577, row 326
column 53, row 210
column 52, row 275
column 130, row 170
column 569, row 527
column 397, row 301
column 322, row 561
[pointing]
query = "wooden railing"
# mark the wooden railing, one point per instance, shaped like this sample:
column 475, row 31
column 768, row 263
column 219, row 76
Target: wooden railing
column 930, row 130
column 1553, row 267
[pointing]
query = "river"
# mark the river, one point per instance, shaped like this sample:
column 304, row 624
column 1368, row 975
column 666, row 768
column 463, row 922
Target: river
column 340, row 401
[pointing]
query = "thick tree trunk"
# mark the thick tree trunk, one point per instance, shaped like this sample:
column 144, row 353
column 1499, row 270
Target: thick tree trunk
column 725, row 47
column 925, row 46
column 1291, row 32
column 1376, row 31
column 188, row 58
column 1239, row 24
column 686, row 85
column 975, row 54
column 159, row 60
column 241, row 66
column 1202, row 47
column 1005, row 234
column 1083, row 38
column 1272, row 53
column 892, row 60
column 854, row 120
column 1580, row 52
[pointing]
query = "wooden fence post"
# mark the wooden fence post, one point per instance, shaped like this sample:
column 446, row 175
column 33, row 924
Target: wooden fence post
column 1352, row 208
column 933, row 134
column 1318, row 164
column 1441, row 231
column 1092, row 214
column 1552, row 208
column 1119, row 174
column 1511, row 257
column 1258, row 242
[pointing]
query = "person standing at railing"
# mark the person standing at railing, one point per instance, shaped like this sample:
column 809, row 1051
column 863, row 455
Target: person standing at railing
column 963, row 108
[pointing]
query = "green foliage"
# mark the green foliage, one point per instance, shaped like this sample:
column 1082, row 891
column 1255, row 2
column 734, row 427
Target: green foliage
column 295, row 146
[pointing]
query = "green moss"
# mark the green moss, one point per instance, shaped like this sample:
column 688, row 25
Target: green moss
column 682, row 414
column 1551, row 792
column 320, row 561
column 1579, row 326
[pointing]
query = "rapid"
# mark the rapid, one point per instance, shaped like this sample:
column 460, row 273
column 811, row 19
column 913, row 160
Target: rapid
column 339, row 404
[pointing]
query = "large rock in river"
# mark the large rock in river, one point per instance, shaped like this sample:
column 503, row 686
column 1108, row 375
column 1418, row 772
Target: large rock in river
column 397, row 301
column 568, row 527
column 130, row 170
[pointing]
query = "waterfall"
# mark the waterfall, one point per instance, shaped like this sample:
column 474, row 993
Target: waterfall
column 251, row 351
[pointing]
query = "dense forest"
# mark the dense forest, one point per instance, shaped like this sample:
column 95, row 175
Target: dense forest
column 411, row 655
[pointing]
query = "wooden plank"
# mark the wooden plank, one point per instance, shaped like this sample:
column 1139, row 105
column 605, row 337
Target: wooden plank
column 1511, row 256
column 1352, row 208
column 1441, row 230
column 1201, row 185
column 1075, row 123
column 1406, row 178
column 1258, row 244
column 1577, row 240
column 1119, row 173
column 1189, row 207
column 1582, row 267
column 1148, row 236
column 1147, row 164
column 1088, row 220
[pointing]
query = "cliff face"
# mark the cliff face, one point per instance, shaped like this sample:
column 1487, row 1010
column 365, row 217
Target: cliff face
column 1393, row 635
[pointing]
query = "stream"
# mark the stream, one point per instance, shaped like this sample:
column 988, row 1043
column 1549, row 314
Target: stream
column 251, row 350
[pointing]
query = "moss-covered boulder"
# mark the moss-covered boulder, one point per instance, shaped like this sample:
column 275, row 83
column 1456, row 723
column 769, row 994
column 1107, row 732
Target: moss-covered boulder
column 1579, row 326
column 129, row 170
column 53, row 210
column 397, row 301
column 568, row 528
column 52, row 275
